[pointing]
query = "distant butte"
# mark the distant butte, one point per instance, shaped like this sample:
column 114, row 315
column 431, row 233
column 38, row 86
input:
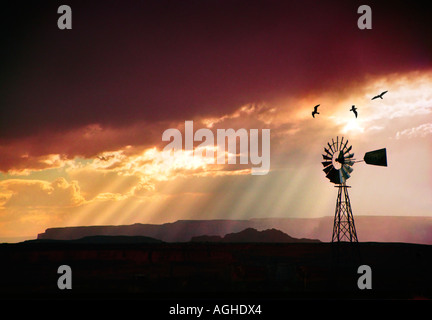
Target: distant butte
column 253, row 235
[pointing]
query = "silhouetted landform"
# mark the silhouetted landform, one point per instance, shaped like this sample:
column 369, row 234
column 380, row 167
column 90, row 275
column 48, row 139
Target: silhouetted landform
column 369, row 228
column 194, row 270
column 252, row 235
column 205, row 238
column 102, row 240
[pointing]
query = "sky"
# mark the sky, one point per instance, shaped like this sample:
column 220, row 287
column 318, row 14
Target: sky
column 83, row 111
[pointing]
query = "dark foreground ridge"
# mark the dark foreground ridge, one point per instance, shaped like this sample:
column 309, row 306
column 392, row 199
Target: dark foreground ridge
column 125, row 268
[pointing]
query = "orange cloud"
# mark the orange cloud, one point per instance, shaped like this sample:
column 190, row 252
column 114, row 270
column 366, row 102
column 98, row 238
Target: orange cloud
column 39, row 194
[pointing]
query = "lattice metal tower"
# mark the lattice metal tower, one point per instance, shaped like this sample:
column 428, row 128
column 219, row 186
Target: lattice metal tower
column 344, row 227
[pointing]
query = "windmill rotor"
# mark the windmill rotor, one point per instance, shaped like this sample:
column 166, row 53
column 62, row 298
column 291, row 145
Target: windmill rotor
column 338, row 161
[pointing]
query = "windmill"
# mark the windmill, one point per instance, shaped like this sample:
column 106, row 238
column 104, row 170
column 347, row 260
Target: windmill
column 338, row 162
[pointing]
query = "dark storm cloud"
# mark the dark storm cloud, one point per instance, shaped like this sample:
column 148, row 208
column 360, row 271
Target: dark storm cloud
column 129, row 61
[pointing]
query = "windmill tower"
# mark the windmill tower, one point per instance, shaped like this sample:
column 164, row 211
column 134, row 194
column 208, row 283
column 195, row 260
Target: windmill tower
column 338, row 162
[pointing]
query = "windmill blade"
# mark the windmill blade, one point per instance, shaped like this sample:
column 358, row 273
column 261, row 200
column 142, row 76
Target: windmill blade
column 327, row 169
column 345, row 145
column 347, row 168
column 348, row 150
column 340, row 148
column 328, row 152
column 341, row 177
column 326, row 163
column 349, row 163
column 337, row 143
column 376, row 157
column 330, row 172
column 345, row 173
column 330, row 147
column 333, row 176
column 326, row 157
column 349, row 156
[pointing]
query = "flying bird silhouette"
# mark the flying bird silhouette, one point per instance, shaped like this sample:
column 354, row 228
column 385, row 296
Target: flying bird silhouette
column 315, row 111
column 102, row 158
column 354, row 109
column 380, row 95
